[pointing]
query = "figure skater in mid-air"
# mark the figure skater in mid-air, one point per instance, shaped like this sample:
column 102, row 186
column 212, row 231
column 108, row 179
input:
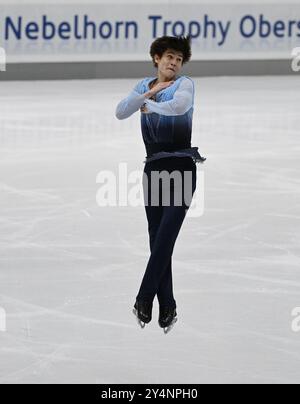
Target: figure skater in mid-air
column 166, row 103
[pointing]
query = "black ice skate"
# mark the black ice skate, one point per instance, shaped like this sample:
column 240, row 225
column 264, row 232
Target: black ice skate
column 143, row 312
column 167, row 318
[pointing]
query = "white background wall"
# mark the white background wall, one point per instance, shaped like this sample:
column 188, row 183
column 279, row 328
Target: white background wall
column 233, row 47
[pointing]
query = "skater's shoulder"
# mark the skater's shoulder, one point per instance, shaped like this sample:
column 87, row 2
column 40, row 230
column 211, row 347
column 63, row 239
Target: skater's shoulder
column 186, row 83
column 142, row 84
column 187, row 79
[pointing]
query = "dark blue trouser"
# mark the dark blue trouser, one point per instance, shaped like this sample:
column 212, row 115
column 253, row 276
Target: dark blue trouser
column 164, row 223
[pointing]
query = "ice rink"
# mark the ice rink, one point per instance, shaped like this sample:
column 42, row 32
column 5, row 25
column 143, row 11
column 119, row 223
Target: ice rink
column 70, row 269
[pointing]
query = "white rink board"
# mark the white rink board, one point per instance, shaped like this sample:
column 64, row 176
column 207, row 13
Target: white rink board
column 118, row 31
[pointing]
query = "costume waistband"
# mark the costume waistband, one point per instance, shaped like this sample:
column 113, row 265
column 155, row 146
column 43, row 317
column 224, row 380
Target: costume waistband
column 167, row 147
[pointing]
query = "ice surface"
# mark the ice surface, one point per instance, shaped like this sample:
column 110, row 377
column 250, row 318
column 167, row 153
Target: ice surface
column 70, row 270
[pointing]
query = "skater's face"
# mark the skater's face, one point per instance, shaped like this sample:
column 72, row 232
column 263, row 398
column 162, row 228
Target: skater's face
column 170, row 64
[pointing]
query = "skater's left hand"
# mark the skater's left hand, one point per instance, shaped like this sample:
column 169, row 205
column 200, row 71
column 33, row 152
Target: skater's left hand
column 144, row 109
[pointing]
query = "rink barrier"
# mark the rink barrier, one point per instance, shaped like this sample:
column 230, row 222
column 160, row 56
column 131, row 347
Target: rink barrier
column 131, row 69
column 2, row 60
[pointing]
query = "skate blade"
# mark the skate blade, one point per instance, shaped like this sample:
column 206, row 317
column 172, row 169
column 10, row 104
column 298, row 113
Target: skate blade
column 169, row 328
column 140, row 323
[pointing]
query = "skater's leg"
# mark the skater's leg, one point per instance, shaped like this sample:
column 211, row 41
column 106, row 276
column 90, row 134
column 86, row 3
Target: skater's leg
column 168, row 231
column 153, row 213
column 159, row 266
column 165, row 293
column 154, row 217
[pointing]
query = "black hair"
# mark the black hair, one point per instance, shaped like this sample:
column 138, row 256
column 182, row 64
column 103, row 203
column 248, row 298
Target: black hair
column 177, row 43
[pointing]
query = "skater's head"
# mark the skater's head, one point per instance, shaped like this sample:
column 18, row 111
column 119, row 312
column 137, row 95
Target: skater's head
column 170, row 53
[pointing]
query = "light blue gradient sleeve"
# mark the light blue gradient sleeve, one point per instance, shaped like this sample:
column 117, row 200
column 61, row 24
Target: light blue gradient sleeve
column 130, row 104
column 179, row 105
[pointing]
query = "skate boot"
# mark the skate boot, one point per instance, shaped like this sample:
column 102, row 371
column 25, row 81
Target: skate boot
column 143, row 312
column 167, row 318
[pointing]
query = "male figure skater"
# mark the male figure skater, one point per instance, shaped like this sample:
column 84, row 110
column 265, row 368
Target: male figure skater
column 166, row 105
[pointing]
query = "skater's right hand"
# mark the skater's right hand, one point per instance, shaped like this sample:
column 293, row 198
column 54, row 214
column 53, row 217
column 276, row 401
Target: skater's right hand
column 159, row 87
